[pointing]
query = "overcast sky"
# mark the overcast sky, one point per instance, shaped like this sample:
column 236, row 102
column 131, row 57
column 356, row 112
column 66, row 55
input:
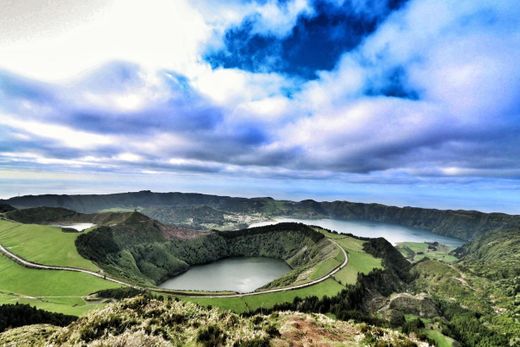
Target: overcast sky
column 402, row 102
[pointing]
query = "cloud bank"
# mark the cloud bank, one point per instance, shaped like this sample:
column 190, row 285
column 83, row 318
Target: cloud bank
column 368, row 92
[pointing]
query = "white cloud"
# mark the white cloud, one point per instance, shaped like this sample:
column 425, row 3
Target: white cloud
column 165, row 34
column 230, row 87
column 273, row 19
column 64, row 135
column 457, row 60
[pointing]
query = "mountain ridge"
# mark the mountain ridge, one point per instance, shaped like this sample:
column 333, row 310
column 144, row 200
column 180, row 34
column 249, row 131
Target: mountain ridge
column 175, row 207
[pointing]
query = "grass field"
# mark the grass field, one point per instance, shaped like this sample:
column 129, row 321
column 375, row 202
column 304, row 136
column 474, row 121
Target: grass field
column 58, row 291
column 62, row 291
column 328, row 287
column 359, row 261
column 326, row 266
column 42, row 244
column 415, row 251
column 431, row 331
column 440, row 339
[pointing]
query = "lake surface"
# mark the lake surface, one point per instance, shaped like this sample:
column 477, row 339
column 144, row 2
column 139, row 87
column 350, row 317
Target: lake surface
column 76, row 226
column 393, row 233
column 244, row 274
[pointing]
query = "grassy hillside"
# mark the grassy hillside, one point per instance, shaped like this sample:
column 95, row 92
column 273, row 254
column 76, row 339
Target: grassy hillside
column 57, row 291
column 58, row 215
column 145, row 251
column 44, row 215
column 148, row 322
column 268, row 300
column 495, row 256
column 479, row 296
column 43, row 244
column 360, row 262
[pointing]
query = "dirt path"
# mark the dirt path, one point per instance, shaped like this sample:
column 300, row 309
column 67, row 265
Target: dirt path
column 32, row 265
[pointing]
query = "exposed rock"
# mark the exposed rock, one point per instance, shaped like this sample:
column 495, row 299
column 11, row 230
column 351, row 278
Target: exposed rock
column 420, row 305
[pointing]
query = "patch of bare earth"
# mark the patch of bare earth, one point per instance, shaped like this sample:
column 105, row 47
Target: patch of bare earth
column 172, row 232
column 305, row 330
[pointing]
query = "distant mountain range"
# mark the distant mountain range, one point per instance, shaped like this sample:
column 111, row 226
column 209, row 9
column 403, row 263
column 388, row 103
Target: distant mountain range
column 204, row 211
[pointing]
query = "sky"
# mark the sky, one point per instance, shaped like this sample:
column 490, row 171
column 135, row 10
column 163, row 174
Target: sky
column 403, row 102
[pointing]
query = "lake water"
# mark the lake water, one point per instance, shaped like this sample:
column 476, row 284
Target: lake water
column 244, row 274
column 76, row 226
column 393, row 233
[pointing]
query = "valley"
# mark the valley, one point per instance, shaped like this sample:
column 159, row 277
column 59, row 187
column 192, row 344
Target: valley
column 430, row 285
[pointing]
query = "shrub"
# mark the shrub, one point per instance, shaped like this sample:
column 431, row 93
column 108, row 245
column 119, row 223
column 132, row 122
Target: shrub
column 212, row 336
column 17, row 315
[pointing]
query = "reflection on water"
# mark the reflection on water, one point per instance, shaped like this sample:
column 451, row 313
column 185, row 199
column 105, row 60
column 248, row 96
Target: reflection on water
column 76, row 226
column 243, row 274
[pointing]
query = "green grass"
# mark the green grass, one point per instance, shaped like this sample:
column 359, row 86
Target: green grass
column 359, row 261
column 326, row 266
column 415, row 251
column 439, row 338
column 431, row 331
column 61, row 291
column 328, row 287
column 43, row 244
column 58, row 291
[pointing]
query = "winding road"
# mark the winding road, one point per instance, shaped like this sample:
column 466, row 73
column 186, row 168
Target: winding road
column 33, row 265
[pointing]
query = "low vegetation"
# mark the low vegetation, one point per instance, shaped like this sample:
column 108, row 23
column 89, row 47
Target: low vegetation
column 17, row 315
column 479, row 296
column 143, row 321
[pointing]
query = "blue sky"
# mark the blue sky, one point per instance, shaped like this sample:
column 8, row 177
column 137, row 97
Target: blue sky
column 401, row 102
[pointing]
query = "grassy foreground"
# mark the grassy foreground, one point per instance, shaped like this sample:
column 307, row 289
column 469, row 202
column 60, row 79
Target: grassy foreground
column 43, row 244
column 57, row 291
column 142, row 321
